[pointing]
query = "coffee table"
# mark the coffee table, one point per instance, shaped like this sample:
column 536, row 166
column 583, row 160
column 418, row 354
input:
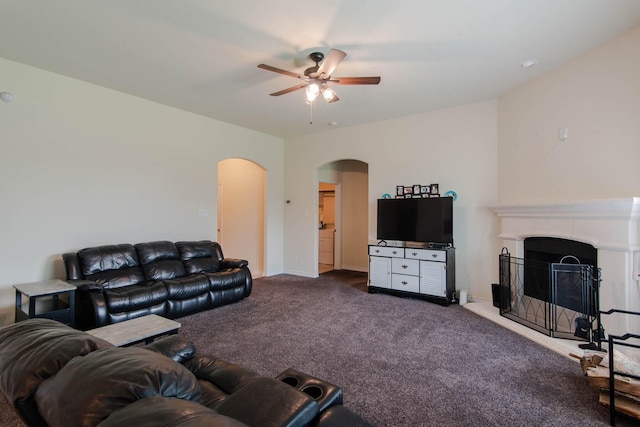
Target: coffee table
column 129, row 332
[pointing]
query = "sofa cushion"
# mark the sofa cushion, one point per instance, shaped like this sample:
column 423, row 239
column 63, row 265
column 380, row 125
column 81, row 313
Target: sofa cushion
column 202, row 256
column 136, row 297
column 168, row 412
column 111, row 266
column 89, row 388
column 35, row 349
column 187, row 287
column 160, row 260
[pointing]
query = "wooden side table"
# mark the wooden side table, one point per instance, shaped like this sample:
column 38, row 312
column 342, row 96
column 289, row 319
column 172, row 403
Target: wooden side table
column 43, row 300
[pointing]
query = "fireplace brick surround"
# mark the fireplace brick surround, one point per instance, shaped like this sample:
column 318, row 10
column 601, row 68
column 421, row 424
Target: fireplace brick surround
column 612, row 226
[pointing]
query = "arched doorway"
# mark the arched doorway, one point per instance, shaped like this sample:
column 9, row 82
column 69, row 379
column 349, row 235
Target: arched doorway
column 349, row 180
column 241, row 212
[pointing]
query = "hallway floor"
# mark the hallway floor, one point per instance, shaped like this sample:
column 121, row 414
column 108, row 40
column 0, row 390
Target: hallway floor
column 323, row 268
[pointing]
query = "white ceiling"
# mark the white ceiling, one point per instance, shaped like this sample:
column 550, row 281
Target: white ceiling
column 202, row 55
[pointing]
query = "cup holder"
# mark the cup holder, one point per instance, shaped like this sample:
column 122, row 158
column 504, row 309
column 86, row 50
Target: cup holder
column 323, row 392
column 313, row 391
column 292, row 381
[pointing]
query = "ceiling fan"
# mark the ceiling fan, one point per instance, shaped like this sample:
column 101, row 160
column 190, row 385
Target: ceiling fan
column 317, row 78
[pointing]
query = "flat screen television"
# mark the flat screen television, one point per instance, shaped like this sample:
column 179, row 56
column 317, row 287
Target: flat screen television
column 424, row 220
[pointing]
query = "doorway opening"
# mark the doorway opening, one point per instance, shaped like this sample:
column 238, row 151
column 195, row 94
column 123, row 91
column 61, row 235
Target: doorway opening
column 326, row 226
column 241, row 212
column 343, row 216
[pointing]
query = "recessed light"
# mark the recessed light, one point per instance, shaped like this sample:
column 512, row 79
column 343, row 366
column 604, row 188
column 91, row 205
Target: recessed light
column 528, row 63
column 6, row 96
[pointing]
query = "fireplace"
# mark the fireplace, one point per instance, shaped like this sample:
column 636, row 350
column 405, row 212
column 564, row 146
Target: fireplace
column 543, row 252
column 610, row 227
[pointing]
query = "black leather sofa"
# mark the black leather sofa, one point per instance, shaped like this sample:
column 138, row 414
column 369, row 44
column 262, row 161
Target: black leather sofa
column 55, row 375
column 120, row 282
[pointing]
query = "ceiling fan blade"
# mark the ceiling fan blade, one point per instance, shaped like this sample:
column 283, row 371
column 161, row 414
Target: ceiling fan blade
column 355, row 80
column 328, row 66
column 281, row 71
column 291, row 89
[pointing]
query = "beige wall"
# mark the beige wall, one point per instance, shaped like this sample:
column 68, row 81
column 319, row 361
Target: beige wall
column 81, row 165
column 454, row 147
column 597, row 97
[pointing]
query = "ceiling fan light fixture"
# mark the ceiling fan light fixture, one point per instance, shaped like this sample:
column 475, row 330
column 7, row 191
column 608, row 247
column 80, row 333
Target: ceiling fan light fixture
column 328, row 93
column 312, row 91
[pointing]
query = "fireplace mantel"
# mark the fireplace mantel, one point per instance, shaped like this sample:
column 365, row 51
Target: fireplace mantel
column 606, row 224
column 608, row 208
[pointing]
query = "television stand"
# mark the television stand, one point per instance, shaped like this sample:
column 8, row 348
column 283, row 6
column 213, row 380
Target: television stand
column 425, row 273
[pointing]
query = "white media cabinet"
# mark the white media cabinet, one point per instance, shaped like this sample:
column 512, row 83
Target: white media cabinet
column 427, row 273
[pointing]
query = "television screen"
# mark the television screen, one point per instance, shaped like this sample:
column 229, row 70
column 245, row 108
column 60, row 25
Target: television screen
column 424, row 220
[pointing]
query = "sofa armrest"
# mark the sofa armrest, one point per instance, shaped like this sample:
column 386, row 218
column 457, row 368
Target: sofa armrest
column 226, row 376
column 85, row 285
column 233, row 263
column 91, row 309
column 72, row 265
column 267, row 402
column 175, row 347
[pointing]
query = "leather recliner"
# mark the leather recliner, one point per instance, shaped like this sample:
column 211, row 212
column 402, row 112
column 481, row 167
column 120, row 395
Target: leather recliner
column 55, row 375
column 119, row 282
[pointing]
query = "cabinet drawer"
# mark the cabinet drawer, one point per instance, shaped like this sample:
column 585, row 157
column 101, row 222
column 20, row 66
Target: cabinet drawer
column 427, row 254
column 386, row 251
column 405, row 266
column 325, row 244
column 403, row 282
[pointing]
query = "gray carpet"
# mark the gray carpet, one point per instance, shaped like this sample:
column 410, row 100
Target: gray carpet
column 400, row 362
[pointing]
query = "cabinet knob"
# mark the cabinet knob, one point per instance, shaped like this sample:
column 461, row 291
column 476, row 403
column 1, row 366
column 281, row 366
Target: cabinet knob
column 394, row 252
column 405, row 283
column 377, row 251
column 414, row 253
column 405, row 266
column 434, row 255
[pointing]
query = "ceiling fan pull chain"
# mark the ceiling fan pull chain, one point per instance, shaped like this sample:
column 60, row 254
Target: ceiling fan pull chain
column 311, row 113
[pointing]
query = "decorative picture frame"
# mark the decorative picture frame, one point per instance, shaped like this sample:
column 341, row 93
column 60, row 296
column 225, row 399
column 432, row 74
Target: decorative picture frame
column 416, row 189
column 408, row 190
column 435, row 188
column 425, row 189
column 399, row 190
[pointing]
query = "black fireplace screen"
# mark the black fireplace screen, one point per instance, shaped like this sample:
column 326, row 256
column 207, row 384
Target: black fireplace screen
column 566, row 308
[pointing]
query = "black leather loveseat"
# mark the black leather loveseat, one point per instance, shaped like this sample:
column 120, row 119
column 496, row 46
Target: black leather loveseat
column 54, row 375
column 120, row 282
